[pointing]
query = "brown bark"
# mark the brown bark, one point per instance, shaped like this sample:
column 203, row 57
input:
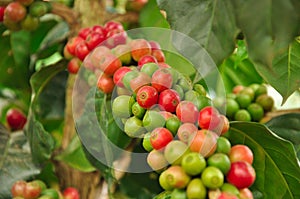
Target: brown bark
column 85, row 13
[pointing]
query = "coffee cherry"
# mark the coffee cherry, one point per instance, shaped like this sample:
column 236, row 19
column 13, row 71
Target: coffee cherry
column 15, row 12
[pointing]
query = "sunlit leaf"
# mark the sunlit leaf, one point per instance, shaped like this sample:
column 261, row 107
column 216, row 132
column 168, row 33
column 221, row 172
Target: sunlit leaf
column 284, row 75
column 74, row 156
column 274, row 160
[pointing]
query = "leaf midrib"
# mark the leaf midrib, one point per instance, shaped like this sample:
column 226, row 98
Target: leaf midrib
column 267, row 154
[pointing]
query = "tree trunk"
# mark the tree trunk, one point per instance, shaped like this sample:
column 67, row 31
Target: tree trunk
column 88, row 12
column 91, row 185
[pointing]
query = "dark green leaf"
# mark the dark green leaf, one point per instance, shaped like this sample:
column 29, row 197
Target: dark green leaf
column 146, row 183
column 74, row 156
column 57, row 34
column 210, row 23
column 40, row 33
column 40, row 79
column 94, row 140
column 41, row 141
column 19, row 43
column 51, row 102
column 274, row 160
column 287, row 126
column 284, row 75
column 15, row 160
column 268, row 30
column 9, row 70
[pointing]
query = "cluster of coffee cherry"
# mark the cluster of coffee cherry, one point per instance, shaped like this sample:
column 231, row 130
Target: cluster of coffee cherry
column 79, row 46
column 23, row 14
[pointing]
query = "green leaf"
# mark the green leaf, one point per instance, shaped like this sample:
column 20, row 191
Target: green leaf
column 53, row 94
column 40, row 33
column 287, row 126
column 164, row 195
column 210, row 23
column 9, row 70
column 150, row 16
column 146, row 183
column 274, row 160
column 238, row 69
column 284, row 75
column 92, row 138
column 15, row 160
column 56, row 35
column 41, row 142
column 268, row 30
column 19, row 42
column 74, row 156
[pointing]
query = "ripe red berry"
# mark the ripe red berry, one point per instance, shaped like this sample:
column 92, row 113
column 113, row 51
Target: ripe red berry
column 119, row 74
column 17, row 189
column 93, row 39
column 209, row 118
column 115, row 37
column 241, row 174
column 162, row 79
column 74, row 65
column 2, row 8
column 154, row 45
column 160, row 137
column 81, row 50
column 71, row 193
column 32, row 190
column 113, row 25
column 146, row 59
column 105, row 83
column 168, row 100
column 186, row 111
column 159, row 55
column 72, row 43
column 139, row 48
column 84, row 32
column 147, row 96
column 16, row 119
column 15, row 11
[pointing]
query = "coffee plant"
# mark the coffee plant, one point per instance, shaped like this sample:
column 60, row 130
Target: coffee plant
column 149, row 99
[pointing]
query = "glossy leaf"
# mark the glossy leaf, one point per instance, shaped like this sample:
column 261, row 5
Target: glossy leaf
column 51, row 102
column 269, row 33
column 268, row 30
column 74, row 156
column 41, row 141
column 274, row 160
column 238, row 69
column 204, row 22
column 287, row 126
column 284, row 75
column 15, row 160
